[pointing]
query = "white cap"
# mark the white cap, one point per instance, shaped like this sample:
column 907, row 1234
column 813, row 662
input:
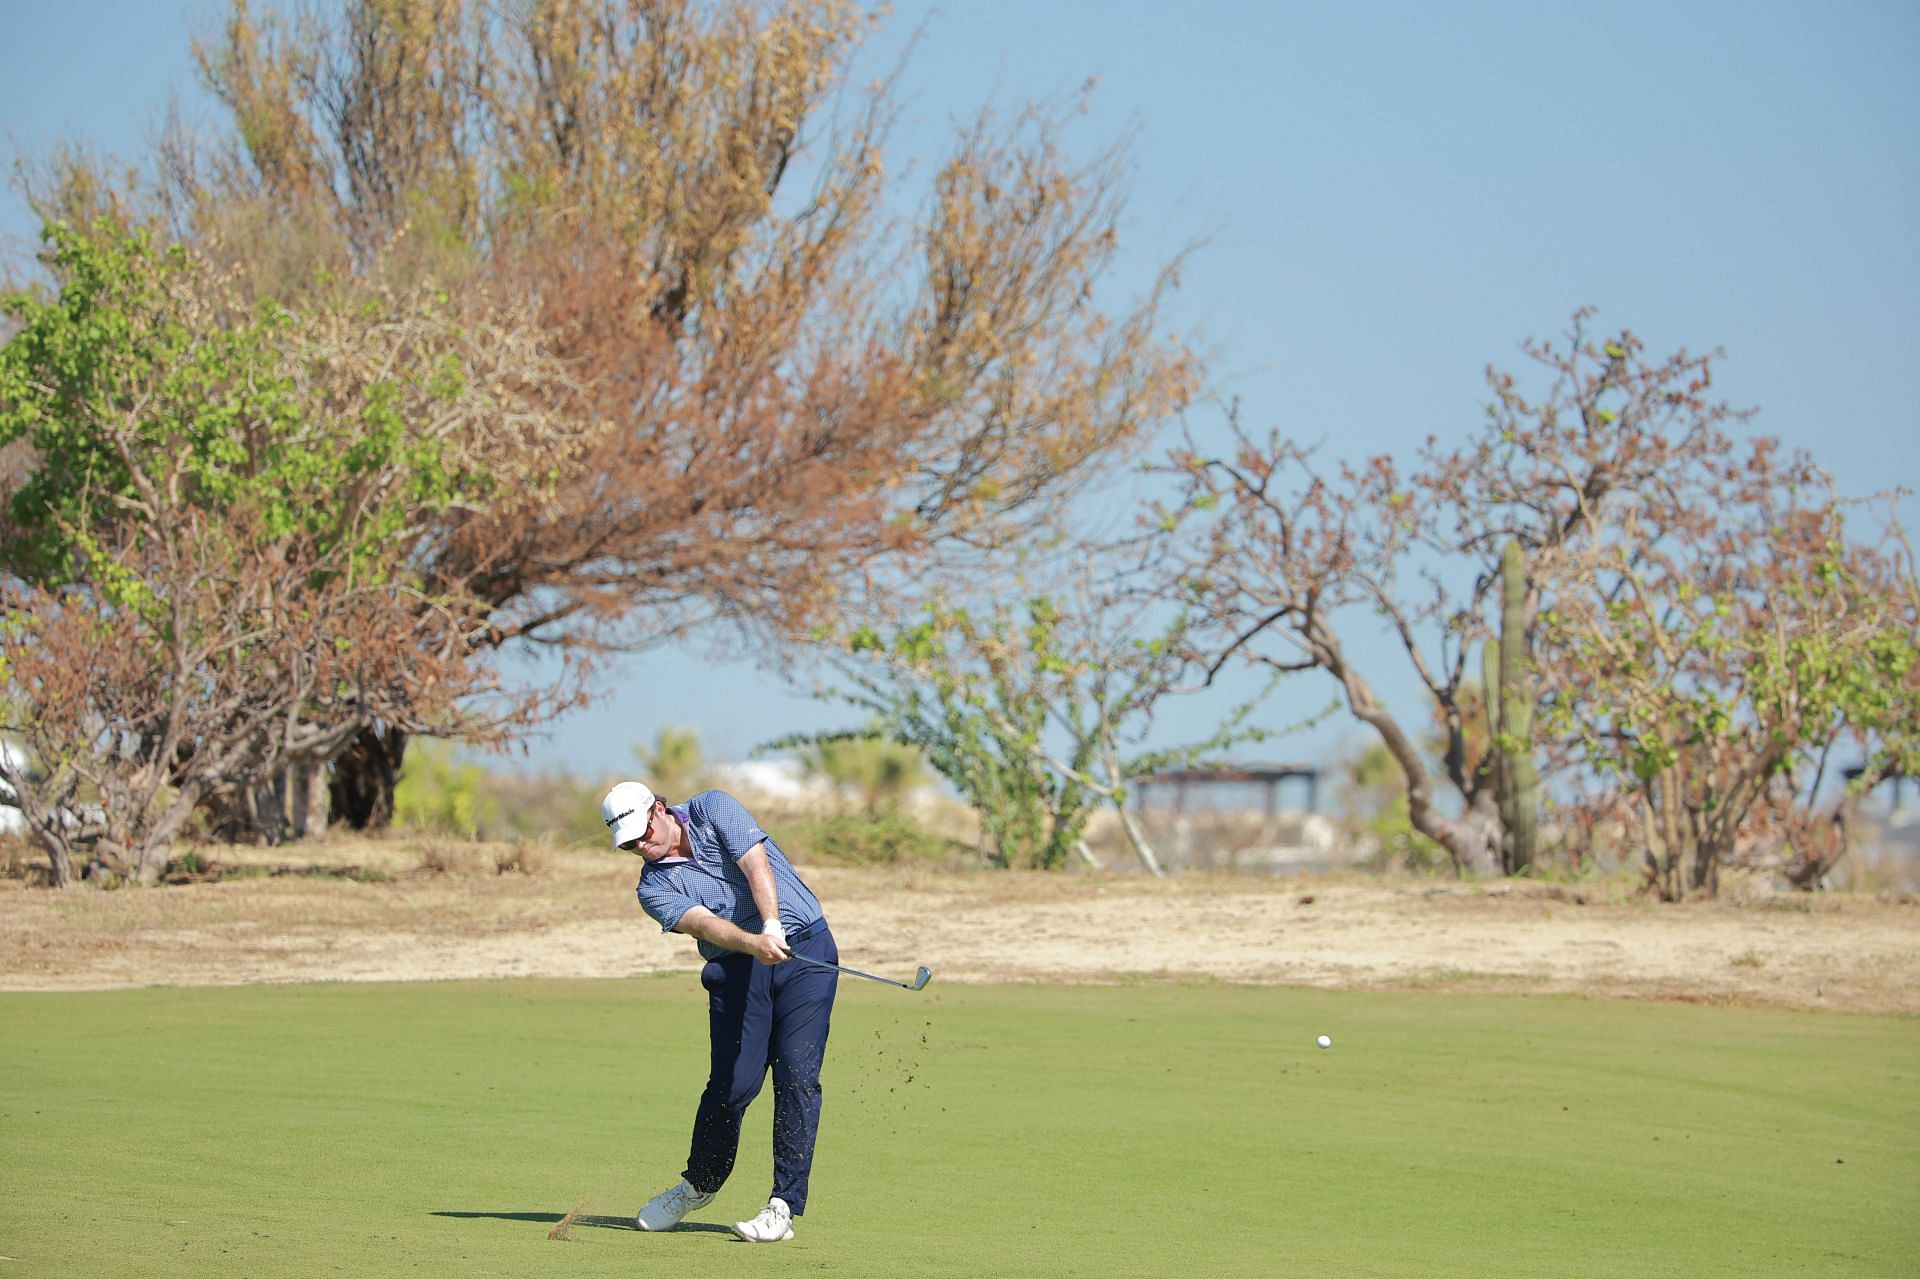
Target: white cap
column 625, row 811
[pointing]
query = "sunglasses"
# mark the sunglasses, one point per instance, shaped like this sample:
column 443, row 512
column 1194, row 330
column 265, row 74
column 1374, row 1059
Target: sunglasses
column 633, row 844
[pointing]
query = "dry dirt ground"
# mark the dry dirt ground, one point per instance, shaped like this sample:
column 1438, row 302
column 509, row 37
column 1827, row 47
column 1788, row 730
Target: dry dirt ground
column 446, row 911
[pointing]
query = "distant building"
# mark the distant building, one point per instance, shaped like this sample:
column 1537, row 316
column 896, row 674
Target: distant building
column 1213, row 787
column 1229, row 817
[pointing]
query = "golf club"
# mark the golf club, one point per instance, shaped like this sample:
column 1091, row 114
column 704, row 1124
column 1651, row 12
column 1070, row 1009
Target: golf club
column 920, row 978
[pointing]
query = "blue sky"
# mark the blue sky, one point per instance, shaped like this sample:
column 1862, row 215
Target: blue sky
column 1391, row 196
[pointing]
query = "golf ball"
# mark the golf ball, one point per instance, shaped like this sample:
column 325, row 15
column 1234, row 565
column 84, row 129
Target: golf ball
column 1325, row 1041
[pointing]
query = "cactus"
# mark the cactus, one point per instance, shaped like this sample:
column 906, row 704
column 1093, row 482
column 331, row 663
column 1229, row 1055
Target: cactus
column 1510, row 720
column 1495, row 764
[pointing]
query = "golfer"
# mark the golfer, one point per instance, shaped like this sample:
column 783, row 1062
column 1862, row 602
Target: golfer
column 713, row 874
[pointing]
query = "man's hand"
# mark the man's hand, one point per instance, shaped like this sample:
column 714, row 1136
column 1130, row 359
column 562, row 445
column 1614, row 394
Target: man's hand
column 769, row 948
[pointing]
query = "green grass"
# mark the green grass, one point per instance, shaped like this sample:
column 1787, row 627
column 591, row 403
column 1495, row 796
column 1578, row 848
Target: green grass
column 1187, row 1131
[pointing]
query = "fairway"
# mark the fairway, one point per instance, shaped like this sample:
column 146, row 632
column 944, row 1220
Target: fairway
column 1151, row 1130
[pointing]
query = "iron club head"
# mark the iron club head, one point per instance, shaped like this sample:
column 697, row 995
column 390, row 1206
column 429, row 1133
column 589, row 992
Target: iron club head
column 921, row 978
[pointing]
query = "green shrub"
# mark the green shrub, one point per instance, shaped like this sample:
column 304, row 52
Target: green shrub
column 876, row 770
column 553, row 807
column 859, row 839
column 440, row 794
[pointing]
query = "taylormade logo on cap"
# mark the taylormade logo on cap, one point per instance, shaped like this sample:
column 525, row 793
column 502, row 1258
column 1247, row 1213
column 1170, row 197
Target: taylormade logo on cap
column 625, row 811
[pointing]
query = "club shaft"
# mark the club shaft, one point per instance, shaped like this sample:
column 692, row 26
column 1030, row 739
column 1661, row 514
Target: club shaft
column 852, row 972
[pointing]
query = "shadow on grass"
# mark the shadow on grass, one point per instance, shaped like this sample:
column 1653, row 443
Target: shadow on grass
column 605, row 1223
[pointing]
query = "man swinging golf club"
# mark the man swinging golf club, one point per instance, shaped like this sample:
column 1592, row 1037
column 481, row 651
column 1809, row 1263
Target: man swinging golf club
column 712, row 873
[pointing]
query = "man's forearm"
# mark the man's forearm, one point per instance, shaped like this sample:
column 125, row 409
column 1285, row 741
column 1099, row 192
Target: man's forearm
column 759, row 873
column 724, row 933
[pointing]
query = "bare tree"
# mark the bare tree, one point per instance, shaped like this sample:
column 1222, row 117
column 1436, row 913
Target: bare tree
column 805, row 392
column 1720, row 648
column 1293, row 556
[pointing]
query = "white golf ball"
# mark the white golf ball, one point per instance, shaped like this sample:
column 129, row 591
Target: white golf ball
column 1325, row 1041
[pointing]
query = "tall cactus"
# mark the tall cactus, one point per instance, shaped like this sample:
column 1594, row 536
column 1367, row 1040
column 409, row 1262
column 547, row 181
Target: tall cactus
column 1510, row 720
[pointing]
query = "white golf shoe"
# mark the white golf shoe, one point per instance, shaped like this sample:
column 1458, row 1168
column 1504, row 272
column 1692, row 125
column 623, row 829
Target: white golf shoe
column 664, row 1210
column 774, row 1223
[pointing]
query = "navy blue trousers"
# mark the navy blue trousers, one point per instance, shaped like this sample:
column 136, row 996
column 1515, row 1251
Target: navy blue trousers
column 765, row 1017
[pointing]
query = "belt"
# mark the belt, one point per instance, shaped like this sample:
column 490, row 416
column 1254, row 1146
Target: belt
column 817, row 926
